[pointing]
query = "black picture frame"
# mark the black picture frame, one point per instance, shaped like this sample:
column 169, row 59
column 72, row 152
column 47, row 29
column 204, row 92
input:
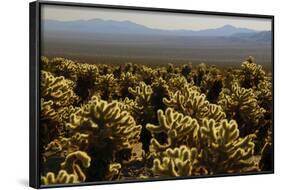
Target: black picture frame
column 34, row 109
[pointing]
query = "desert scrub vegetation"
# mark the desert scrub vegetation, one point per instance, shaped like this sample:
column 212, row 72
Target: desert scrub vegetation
column 121, row 122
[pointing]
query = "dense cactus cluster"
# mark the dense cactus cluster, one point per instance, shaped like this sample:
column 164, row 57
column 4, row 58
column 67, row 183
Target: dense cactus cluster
column 120, row 122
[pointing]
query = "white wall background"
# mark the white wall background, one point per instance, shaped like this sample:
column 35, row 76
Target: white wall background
column 14, row 36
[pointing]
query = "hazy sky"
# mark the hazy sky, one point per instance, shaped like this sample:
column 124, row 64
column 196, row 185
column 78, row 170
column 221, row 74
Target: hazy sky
column 153, row 19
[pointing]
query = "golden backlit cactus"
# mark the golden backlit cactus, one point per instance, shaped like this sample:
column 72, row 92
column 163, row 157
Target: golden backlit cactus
column 74, row 157
column 223, row 151
column 176, row 83
column 199, row 73
column 179, row 129
column 69, row 69
column 87, row 71
column 215, row 112
column 142, row 94
column 47, row 111
column 65, row 113
column 57, row 89
column 147, row 74
column 62, row 146
column 61, row 178
column 264, row 93
column 104, row 69
column 143, row 102
column 109, row 128
column 219, row 150
column 45, row 63
column 67, row 154
column 127, row 80
column 106, row 121
column 72, row 162
column 71, row 171
column 251, row 73
column 211, row 74
column 113, row 171
column 113, row 122
column 57, row 94
column 182, row 161
column 189, row 102
column 130, row 106
column 61, row 67
column 241, row 104
column 106, row 86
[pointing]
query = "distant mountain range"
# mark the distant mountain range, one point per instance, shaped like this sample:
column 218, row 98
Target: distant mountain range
column 130, row 28
column 264, row 36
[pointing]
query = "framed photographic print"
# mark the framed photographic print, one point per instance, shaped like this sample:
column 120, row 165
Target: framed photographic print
column 132, row 94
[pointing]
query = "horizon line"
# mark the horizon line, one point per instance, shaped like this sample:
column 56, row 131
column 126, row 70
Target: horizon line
column 154, row 27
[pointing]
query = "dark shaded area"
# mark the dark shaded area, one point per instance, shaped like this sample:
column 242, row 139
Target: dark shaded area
column 214, row 91
column 266, row 163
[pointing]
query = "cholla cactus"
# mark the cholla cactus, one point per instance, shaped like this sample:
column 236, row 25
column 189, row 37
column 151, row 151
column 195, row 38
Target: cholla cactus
column 65, row 113
column 264, row 94
column 47, row 111
column 241, row 104
column 71, row 171
column 186, row 70
column 106, row 86
column 114, row 171
column 251, row 74
column 189, row 102
column 179, row 129
column 130, row 106
column 109, row 128
column 56, row 152
column 104, row 69
column 57, row 89
column 62, row 178
column 66, row 68
column 147, row 74
column 75, row 158
column 86, row 78
column 61, row 67
column 45, row 63
column 127, row 80
column 64, row 146
column 160, row 91
column 219, row 150
column 87, row 71
column 128, row 67
column 222, row 149
column 55, row 117
column 176, row 83
column 106, row 121
column 212, row 84
column 56, row 94
column 160, row 121
column 182, row 161
column 83, row 74
column 216, row 112
column 142, row 94
column 201, row 70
